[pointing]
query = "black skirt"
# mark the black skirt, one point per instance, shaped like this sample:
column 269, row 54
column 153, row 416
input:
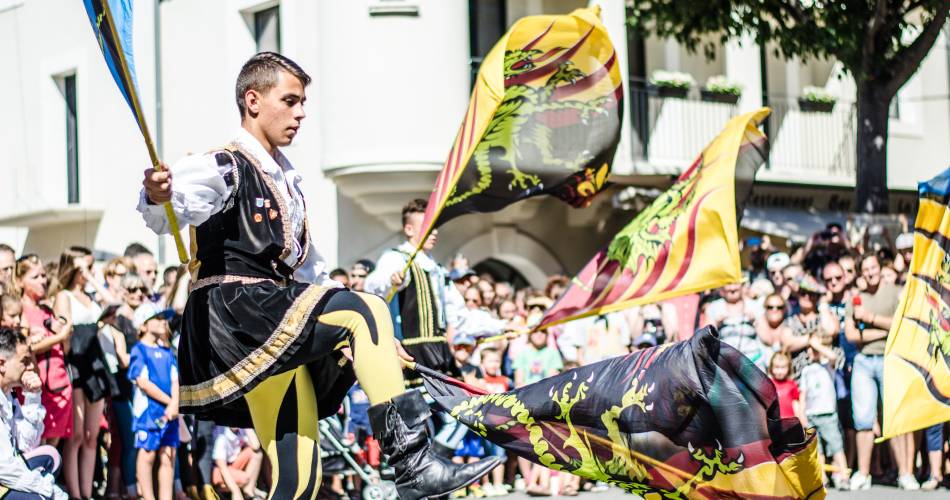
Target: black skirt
column 236, row 334
column 87, row 365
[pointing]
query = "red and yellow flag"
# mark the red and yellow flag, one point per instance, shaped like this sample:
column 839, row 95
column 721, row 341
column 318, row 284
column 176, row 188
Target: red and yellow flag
column 544, row 118
column 686, row 240
column 917, row 355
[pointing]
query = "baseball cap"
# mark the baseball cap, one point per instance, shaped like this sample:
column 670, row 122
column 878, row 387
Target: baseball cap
column 457, row 274
column 147, row 311
column 904, row 241
column 463, row 339
column 777, row 261
column 647, row 339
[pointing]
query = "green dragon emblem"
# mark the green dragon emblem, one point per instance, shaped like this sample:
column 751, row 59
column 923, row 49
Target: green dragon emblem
column 623, row 469
column 515, row 127
column 653, row 226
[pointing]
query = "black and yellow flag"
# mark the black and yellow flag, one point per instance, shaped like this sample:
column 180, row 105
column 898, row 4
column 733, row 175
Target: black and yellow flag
column 544, row 119
column 917, row 356
column 694, row 419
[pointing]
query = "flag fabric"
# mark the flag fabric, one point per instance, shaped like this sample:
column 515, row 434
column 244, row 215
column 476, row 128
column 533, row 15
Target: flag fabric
column 917, row 354
column 544, row 118
column 694, row 419
column 112, row 23
column 657, row 255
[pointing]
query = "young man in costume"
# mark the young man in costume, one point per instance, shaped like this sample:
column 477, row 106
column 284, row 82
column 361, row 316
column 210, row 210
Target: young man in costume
column 264, row 326
column 427, row 310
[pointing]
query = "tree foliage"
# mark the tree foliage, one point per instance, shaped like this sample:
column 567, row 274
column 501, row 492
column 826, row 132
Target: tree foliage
column 880, row 41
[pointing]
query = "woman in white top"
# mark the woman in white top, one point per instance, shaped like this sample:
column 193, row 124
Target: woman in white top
column 83, row 352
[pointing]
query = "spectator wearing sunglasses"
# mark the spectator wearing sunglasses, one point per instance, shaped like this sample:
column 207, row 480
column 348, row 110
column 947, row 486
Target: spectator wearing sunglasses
column 125, row 336
column 113, row 273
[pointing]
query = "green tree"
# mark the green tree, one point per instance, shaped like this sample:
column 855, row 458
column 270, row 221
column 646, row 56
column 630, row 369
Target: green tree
column 880, row 43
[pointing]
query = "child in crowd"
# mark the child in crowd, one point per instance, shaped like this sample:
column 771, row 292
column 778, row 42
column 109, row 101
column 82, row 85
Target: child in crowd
column 537, row 361
column 154, row 370
column 818, row 392
column 472, row 447
column 462, row 348
column 789, row 396
column 494, row 382
column 12, row 310
column 237, row 462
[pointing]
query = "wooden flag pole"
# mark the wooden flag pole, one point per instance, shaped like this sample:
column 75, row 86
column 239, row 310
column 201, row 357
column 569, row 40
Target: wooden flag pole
column 143, row 127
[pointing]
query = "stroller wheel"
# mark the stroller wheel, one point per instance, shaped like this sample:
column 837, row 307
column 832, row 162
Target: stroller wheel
column 384, row 490
column 373, row 492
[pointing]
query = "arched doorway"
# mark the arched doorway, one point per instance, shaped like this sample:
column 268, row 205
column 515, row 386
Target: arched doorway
column 501, row 271
column 516, row 250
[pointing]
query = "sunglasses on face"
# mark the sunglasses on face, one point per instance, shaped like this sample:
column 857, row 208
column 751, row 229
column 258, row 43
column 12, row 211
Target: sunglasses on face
column 357, row 276
column 141, row 289
column 773, row 307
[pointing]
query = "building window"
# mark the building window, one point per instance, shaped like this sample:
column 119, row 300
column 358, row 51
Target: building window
column 487, row 23
column 267, row 29
column 72, row 139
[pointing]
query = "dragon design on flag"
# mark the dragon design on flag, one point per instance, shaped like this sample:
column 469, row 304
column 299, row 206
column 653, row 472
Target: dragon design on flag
column 525, row 122
column 653, row 226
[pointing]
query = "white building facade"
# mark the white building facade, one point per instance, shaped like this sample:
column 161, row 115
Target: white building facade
column 391, row 82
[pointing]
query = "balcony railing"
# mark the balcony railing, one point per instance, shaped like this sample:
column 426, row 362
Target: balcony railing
column 806, row 146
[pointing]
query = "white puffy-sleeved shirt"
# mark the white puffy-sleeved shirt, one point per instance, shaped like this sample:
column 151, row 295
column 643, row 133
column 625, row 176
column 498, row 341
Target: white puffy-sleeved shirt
column 200, row 191
column 468, row 322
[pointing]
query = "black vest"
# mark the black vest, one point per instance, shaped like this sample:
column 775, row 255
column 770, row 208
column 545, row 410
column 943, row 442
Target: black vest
column 419, row 306
column 252, row 234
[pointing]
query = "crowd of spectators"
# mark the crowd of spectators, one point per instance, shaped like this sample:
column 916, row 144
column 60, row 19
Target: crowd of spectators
column 98, row 386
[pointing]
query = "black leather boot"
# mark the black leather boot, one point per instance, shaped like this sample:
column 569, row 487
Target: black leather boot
column 400, row 427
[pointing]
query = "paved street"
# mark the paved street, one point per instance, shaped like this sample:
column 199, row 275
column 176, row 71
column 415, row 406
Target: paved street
column 877, row 492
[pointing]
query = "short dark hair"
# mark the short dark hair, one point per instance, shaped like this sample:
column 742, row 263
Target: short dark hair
column 260, row 73
column 9, row 339
column 366, row 264
column 416, row 206
column 337, row 272
column 135, row 249
column 7, row 248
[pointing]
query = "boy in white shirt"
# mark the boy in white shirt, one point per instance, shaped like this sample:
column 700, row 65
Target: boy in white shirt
column 817, row 385
column 237, row 462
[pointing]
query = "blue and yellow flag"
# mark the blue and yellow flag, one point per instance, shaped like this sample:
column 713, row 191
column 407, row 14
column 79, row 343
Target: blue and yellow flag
column 917, row 356
column 112, row 24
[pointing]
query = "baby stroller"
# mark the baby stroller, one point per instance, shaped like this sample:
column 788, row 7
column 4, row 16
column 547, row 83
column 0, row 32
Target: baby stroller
column 337, row 457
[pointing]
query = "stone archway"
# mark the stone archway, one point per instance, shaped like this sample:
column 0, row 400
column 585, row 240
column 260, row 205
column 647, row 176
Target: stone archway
column 519, row 250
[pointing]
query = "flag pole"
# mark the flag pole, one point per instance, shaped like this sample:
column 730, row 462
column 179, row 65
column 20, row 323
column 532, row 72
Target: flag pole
column 143, row 127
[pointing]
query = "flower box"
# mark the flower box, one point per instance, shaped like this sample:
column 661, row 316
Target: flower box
column 721, row 97
column 815, row 106
column 672, row 92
